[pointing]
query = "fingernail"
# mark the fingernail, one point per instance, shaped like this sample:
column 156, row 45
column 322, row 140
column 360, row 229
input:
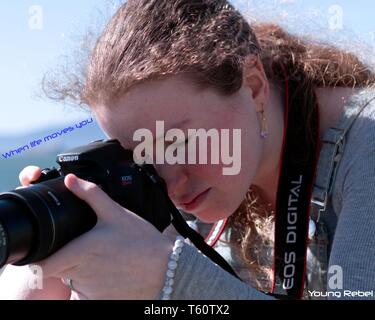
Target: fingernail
column 73, row 183
column 78, row 182
column 30, row 177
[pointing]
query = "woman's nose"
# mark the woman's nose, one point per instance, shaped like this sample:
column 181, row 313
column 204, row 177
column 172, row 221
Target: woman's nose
column 175, row 176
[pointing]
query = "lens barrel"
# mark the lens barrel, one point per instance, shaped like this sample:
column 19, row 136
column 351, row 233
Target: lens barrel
column 16, row 231
column 38, row 220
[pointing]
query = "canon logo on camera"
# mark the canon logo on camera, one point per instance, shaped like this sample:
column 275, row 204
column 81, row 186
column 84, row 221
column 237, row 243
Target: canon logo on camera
column 68, row 158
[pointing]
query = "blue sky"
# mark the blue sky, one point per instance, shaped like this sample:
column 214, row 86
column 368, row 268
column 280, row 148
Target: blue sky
column 27, row 53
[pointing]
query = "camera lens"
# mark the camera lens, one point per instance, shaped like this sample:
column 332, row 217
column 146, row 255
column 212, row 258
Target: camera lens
column 16, row 231
column 38, row 220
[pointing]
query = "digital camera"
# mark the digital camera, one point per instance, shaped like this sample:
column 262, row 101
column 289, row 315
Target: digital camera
column 38, row 220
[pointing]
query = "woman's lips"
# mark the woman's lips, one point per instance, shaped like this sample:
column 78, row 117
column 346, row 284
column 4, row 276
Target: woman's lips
column 196, row 202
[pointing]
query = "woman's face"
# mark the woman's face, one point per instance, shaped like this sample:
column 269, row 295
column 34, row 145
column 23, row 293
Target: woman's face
column 176, row 100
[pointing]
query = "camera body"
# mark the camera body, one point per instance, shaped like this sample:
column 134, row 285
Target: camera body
column 38, row 220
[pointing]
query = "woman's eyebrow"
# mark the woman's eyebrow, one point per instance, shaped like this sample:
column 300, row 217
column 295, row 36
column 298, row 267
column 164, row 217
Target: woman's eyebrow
column 177, row 125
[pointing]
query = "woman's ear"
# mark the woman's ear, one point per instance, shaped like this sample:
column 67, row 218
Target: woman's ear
column 255, row 79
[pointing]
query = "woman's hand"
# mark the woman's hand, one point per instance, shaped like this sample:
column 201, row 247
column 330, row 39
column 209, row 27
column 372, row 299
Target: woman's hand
column 122, row 257
column 29, row 174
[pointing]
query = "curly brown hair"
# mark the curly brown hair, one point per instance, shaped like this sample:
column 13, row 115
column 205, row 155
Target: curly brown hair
column 210, row 41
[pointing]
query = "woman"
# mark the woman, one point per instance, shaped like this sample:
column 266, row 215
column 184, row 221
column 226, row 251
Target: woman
column 201, row 64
